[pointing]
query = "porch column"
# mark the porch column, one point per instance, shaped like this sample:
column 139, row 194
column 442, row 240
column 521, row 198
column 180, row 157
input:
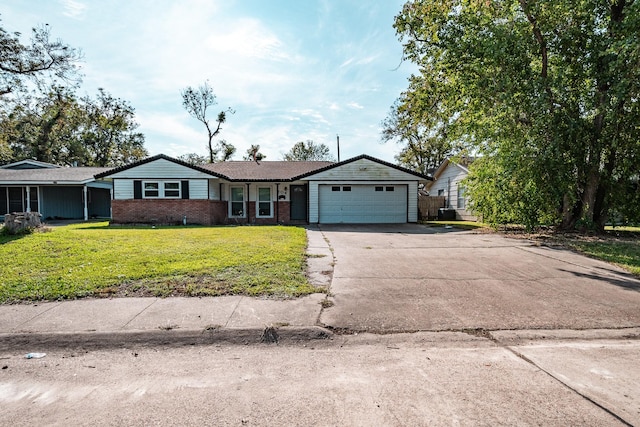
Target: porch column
column 277, row 202
column 86, row 202
column 111, row 203
column 248, row 208
column 28, row 204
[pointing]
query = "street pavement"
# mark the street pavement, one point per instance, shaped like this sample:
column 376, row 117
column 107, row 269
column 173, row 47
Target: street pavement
column 557, row 324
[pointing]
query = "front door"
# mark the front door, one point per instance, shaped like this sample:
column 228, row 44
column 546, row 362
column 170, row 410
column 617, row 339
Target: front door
column 299, row 202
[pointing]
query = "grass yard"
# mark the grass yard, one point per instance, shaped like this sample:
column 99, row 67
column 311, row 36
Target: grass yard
column 624, row 252
column 95, row 259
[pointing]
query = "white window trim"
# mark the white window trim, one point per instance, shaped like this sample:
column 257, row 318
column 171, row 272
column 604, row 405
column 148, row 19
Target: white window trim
column 244, row 202
column 258, row 201
column 144, row 189
column 161, row 189
column 461, row 196
column 164, row 190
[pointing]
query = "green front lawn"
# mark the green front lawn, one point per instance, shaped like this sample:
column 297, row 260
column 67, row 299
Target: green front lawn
column 97, row 260
column 625, row 253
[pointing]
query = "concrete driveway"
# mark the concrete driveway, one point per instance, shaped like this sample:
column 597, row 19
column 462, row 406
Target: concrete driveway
column 392, row 278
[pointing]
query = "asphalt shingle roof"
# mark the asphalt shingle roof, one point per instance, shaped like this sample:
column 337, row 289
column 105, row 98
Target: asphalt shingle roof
column 49, row 175
column 264, row 170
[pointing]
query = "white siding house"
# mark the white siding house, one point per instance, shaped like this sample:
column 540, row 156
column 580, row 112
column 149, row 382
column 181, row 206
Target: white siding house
column 447, row 182
column 359, row 190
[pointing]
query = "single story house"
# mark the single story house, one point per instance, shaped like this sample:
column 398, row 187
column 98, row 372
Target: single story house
column 447, row 182
column 164, row 190
column 56, row 192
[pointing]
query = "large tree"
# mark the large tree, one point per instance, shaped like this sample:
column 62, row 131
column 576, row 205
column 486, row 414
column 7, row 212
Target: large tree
column 416, row 123
column 197, row 102
column 109, row 132
column 308, row 151
column 548, row 93
column 42, row 127
column 58, row 128
column 43, row 57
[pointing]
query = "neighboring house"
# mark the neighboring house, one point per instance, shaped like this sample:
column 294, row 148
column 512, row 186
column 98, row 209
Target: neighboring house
column 161, row 189
column 447, row 182
column 54, row 191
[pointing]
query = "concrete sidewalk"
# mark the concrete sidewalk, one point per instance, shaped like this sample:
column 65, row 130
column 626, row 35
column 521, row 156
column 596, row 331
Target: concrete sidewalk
column 89, row 320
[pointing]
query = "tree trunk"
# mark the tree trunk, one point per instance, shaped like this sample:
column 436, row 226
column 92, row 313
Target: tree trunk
column 570, row 213
column 589, row 198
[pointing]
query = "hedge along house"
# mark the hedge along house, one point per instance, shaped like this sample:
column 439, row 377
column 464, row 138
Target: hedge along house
column 54, row 191
column 164, row 190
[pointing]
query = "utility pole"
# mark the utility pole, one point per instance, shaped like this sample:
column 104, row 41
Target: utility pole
column 338, row 141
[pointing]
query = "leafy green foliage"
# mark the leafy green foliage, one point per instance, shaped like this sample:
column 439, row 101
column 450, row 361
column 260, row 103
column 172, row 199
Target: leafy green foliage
column 547, row 92
column 41, row 117
column 58, row 128
column 421, row 126
column 308, row 151
column 95, row 259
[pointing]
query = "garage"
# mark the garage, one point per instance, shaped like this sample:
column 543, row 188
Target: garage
column 362, row 203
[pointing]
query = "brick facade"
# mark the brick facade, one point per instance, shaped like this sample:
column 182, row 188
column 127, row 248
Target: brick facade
column 203, row 212
column 169, row 211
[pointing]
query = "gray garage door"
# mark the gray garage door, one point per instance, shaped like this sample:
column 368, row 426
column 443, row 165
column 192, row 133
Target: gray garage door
column 363, row 204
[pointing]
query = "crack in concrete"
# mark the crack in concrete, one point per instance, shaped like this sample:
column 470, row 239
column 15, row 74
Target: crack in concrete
column 17, row 327
column 139, row 313
column 563, row 383
column 233, row 312
column 326, row 302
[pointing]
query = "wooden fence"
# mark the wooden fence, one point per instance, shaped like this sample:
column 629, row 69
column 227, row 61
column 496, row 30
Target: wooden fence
column 428, row 206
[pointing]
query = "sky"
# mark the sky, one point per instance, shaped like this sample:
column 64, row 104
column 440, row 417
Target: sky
column 293, row 70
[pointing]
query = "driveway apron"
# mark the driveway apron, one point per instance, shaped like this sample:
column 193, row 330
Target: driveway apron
column 393, row 278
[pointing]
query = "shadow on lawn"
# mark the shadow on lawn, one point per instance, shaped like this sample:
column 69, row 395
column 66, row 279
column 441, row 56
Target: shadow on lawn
column 7, row 238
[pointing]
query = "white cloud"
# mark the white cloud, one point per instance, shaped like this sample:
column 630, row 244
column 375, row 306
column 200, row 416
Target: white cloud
column 355, row 105
column 312, row 114
column 347, row 62
column 73, row 8
column 164, row 130
column 367, row 60
column 249, row 38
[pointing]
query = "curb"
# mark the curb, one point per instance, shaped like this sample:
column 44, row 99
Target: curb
column 170, row 338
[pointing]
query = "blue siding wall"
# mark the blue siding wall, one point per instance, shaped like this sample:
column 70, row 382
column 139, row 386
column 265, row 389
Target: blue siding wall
column 99, row 203
column 61, row 202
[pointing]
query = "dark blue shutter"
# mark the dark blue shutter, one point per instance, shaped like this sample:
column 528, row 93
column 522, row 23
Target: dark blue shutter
column 137, row 189
column 185, row 189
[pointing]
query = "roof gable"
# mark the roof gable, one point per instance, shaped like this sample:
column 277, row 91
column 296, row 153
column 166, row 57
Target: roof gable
column 446, row 162
column 360, row 166
column 29, row 164
column 128, row 170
